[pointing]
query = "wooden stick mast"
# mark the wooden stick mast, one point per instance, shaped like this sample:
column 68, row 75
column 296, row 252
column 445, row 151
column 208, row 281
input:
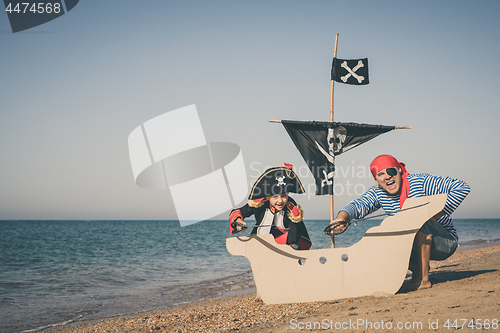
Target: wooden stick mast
column 332, row 216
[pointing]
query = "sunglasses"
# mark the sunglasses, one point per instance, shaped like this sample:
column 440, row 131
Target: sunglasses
column 391, row 171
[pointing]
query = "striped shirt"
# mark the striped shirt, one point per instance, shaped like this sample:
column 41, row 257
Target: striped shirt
column 420, row 185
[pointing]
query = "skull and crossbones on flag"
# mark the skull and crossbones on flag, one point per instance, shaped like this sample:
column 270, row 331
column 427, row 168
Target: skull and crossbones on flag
column 350, row 71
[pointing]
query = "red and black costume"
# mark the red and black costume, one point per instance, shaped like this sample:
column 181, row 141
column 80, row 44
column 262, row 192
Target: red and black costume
column 287, row 225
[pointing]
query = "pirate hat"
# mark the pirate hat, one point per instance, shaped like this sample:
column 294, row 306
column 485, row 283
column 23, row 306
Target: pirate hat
column 276, row 181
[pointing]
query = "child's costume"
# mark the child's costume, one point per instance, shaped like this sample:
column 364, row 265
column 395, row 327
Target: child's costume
column 286, row 225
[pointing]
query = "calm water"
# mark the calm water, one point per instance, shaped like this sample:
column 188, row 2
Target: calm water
column 58, row 271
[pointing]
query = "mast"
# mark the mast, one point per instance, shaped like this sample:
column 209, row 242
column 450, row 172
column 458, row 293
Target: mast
column 332, row 216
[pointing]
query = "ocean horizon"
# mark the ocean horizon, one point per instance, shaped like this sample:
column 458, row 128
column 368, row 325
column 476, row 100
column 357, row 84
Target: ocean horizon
column 59, row 271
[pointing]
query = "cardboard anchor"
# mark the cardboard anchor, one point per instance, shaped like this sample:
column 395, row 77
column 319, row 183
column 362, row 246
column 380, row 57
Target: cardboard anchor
column 376, row 265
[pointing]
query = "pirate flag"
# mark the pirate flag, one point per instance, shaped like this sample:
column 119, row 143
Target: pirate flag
column 319, row 143
column 350, row 71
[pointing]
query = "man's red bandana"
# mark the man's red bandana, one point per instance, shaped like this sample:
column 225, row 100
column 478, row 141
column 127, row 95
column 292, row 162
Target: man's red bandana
column 387, row 161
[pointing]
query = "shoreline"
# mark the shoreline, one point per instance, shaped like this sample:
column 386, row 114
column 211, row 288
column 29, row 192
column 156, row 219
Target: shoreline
column 465, row 286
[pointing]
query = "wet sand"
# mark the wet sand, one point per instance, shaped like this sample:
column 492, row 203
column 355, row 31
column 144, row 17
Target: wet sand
column 466, row 288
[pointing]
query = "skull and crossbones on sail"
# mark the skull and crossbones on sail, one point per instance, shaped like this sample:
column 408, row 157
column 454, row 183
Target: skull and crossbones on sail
column 335, row 139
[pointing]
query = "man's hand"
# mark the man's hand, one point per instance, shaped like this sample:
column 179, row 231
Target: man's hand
column 337, row 227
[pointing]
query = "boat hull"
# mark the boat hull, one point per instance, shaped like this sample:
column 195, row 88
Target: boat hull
column 376, row 265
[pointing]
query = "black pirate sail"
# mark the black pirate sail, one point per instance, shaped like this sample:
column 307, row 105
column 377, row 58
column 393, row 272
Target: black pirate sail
column 319, row 143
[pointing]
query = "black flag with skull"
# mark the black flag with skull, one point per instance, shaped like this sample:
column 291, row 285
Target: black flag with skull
column 350, row 71
column 319, row 143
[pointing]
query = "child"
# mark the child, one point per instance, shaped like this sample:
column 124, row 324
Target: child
column 275, row 212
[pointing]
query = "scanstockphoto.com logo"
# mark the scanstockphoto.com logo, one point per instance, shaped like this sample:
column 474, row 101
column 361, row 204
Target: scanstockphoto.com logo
column 28, row 14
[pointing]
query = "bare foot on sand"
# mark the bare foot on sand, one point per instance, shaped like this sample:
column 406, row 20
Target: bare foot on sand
column 425, row 285
column 419, row 285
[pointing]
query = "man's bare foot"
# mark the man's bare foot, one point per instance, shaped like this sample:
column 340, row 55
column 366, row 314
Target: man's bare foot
column 419, row 285
column 425, row 285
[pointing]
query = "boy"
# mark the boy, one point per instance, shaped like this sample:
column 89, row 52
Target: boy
column 275, row 212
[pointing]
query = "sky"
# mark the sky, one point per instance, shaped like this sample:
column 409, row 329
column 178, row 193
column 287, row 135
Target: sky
column 73, row 89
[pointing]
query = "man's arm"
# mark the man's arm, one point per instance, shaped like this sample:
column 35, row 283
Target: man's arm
column 359, row 208
column 457, row 191
column 356, row 209
column 342, row 216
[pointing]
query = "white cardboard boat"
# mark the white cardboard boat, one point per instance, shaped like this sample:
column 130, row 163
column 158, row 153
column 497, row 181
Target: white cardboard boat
column 376, row 265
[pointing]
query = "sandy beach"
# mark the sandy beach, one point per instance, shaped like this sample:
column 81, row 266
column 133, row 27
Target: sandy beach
column 465, row 295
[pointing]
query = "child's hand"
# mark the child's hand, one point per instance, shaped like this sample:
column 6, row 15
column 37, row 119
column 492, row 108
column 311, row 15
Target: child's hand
column 238, row 225
column 241, row 225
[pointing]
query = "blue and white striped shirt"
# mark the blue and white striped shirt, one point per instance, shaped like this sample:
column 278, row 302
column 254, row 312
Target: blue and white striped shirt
column 420, row 185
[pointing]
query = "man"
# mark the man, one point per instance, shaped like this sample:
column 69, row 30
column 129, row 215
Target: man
column 275, row 212
column 437, row 239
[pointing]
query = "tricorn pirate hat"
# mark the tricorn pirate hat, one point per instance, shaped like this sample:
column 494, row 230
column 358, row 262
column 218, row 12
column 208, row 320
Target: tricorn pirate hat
column 276, row 181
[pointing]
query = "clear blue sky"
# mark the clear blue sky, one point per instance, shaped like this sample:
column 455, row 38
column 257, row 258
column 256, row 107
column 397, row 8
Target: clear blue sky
column 73, row 89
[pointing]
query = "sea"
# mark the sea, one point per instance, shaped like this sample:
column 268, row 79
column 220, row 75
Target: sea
column 57, row 272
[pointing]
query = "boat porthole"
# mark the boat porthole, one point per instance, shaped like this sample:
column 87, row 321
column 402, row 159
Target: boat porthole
column 322, row 260
column 302, row 261
column 345, row 257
